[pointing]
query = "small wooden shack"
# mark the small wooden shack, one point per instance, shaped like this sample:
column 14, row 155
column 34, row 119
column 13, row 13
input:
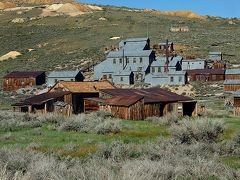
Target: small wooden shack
column 206, row 75
column 125, row 107
column 236, row 104
column 46, row 102
column 22, row 79
column 232, row 80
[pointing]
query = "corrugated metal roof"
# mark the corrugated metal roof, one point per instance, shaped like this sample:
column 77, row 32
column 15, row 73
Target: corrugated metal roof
column 84, row 87
column 123, row 100
column 174, row 60
column 193, row 60
column 41, row 98
column 129, row 53
column 69, row 74
column 236, row 94
column 151, row 95
column 136, row 39
column 130, row 46
column 232, row 71
column 24, row 74
column 229, row 82
column 206, row 71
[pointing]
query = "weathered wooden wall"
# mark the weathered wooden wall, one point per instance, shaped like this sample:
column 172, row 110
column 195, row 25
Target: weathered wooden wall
column 232, row 76
column 90, row 106
column 231, row 87
column 236, row 106
column 11, row 84
column 133, row 112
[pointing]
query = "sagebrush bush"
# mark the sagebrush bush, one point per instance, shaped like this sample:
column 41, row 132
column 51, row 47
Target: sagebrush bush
column 201, row 130
column 168, row 119
column 97, row 122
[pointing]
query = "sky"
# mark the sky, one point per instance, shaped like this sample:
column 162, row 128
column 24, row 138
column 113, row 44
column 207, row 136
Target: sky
column 223, row 8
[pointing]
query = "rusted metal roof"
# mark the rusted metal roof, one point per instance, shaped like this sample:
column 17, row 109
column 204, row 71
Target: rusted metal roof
column 123, row 100
column 41, row 98
column 151, row 95
column 83, row 87
column 206, row 71
column 24, row 74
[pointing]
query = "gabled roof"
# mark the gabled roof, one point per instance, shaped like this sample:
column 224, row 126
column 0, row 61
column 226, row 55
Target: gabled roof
column 123, row 100
column 41, row 98
column 56, row 74
column 24, row 74
column 83, row 87
column 174, row 60
column 232, row 71
column 229, row 82
column 151, row 95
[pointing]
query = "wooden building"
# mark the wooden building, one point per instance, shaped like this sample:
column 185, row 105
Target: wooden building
column 236, row 103
column 219, row 65
column 206, row 75
column 157, row 102
column 81, row 90
column 47, row 102
column 22, row 79
column 232, row 80
column 125, row 107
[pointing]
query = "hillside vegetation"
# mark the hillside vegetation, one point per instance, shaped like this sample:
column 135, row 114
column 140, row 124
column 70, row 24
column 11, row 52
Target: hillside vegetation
column 65, row 42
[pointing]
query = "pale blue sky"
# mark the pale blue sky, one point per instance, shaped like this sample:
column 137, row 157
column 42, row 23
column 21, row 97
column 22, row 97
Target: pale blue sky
column 223, row 8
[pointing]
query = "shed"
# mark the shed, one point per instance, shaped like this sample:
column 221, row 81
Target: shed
column 125, row 107
column 215, row 56
column 236, row 103
column 157, row 102
column 206, row 75
column 232, row 85
column 56, row 76
column 232, row 74
column 81, row 90
column 44, row 103
column 22, row 79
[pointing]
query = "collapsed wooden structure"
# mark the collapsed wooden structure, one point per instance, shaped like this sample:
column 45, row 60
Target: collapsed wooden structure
column 236, row 103
column 138, row 104
column 47, row 102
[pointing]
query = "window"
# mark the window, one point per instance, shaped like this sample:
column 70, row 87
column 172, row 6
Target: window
column 153, row 69
column 159, row 69
column 7, row 82
column 120, row 60
column 121, row 78
column 114, row 61
column 180, row 79
column 127, row 59
column 171, row 79
column 134, row 60
column 141, row 60
column 72, row 80
column 139, row 68
column 55, row 80
column 110, row 76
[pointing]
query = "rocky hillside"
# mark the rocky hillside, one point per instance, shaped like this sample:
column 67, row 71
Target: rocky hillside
column 39, row 1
